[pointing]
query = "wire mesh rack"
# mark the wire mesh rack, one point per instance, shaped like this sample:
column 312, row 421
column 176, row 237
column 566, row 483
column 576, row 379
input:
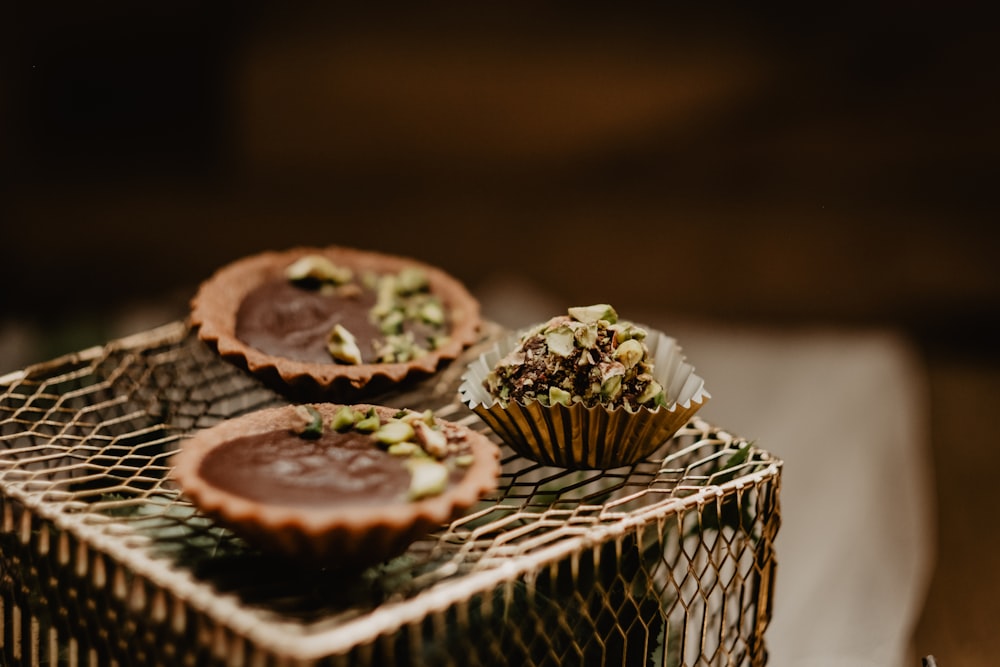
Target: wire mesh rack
column 666, row 562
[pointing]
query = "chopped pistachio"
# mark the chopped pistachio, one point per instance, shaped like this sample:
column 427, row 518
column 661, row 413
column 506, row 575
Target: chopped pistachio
column 438, row 341
column 368, row 423
column 592, row 314
column 343, row 419
column 626, row 331
column 427, row 478
column 404, row 449
column 630, row 353
column 394, row 431
column 557, row 395
column 652, row 390
column 343, row 346
column 560, row 341
column 586, row 336
column 607, row 369
column 464, row 460
column 398, row 348
column 392, row 323
column 611, row 388
column 410, row 280
column 311, row 422
column 606, row 362
column 432, row 440
column 432, row 312
column 385, row 297
column 318, row 268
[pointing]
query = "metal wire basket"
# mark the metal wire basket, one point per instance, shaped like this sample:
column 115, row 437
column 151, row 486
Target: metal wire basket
column 667, row 562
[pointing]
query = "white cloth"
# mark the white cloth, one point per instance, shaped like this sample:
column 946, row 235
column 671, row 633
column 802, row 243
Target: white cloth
column 847, row 413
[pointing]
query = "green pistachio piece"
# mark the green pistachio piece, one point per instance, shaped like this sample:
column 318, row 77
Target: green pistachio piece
column 606, row 369
column 611, row 388
column 404, row 449
column 560, row 341
column 343, row 346
column 392, row 323
column 427, row 417
column 652, row 390
column 630, row 353
column 318, row 268
column 394, row 431
column 399, row 348
column 624, row 331
column 410, row 280
column 368, row 423
column 433, row 441
column 557, row 395
column 311, row 424
column 592, row 314
column 427, row 478
column 586, row 336
column 432, row 312
column 385, row 297
column 465, row 460
column 437, row 342
column 343, row 419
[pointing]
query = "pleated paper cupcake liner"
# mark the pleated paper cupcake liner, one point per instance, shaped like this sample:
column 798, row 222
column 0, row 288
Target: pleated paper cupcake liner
column 577, row 436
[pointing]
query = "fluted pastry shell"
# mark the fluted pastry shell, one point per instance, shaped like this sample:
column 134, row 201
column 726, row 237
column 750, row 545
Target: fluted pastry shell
column 335, row 535
column 215, row 306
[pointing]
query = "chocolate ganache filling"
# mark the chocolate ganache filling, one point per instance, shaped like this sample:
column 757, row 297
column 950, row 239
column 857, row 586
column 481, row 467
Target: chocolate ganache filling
column 367, row 319
column 293, row 322
column 280, row 467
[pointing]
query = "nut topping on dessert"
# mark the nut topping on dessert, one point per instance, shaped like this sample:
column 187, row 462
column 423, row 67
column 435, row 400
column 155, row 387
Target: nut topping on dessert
column 324, row 312
column 587, row 356
column 417, row 438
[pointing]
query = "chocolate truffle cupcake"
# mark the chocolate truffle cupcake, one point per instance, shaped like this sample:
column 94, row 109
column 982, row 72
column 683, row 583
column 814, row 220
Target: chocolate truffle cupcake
column 334, row 323
column 584, row 390
column 335, row 485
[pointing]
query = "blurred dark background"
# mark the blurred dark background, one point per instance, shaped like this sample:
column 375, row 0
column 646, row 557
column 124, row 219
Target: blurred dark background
column 786, row 167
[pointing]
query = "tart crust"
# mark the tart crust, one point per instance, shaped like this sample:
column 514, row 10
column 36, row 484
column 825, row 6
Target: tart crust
column 341, row 535
column 216, row 304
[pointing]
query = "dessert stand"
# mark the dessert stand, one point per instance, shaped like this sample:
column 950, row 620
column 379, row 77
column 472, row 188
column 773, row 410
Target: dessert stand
column 670, row 561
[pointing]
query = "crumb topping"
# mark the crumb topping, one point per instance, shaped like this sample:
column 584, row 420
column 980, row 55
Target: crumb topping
column 587, row 356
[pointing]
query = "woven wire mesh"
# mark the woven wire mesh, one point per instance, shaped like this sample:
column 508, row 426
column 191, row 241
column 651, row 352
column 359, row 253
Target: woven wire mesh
column 666, row 562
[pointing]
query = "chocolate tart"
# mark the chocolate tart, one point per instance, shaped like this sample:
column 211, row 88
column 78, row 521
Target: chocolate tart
column 280, row 329
column 331, row 496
